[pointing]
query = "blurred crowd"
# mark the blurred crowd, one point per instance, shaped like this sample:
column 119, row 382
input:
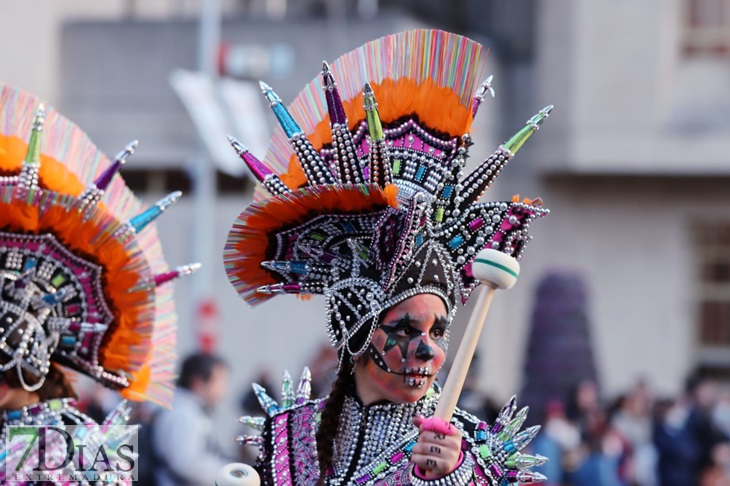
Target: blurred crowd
column 636, row 440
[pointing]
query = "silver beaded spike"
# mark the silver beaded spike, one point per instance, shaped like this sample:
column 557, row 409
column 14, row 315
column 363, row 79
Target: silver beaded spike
column 347, row 163
column 515, row 425
column 28, row 178
column 267, row 403
column 253, row 422
column 287, row 391
column 254, row 440
column 314, row 167
column 304, row 390
column 381, row 171
column 474, row 185
column 263, row 174
column 93, row 193
column 523, row 438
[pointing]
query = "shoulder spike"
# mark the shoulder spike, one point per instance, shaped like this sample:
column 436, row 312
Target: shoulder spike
column 304, row 390
column 348, row 166
column 381, row 172
column 525, row 461
column 287, row 391
column 267, row 403
column 514, row 425
column 520, row 440
column 525, row 477
column 314, row 167
column 263, row 174
column 253, row 440
column 256, row 423
column 505, row 415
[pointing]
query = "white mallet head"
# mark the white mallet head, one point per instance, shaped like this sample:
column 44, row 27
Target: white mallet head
column 237, row 474
column 495, row 268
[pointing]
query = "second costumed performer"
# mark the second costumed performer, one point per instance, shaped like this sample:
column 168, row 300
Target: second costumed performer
column 83, row 288
column 373, row 213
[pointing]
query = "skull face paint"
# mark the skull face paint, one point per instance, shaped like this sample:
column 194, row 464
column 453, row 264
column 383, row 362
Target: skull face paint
column 406, row 351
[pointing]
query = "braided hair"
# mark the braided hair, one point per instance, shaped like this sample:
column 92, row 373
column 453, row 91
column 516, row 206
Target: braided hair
column 56, row 384
column 331, row 417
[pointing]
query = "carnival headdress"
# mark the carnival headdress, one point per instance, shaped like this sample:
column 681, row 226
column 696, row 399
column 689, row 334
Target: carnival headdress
column 373, row 208
column 80, row 260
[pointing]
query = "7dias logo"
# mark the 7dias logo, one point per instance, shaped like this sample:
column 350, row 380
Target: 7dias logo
column 61, row 453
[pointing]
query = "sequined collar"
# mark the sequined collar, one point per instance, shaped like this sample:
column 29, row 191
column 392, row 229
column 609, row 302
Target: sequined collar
column 368, row 434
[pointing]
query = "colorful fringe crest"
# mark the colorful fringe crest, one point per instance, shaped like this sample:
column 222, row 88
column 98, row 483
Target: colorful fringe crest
column 427, row 73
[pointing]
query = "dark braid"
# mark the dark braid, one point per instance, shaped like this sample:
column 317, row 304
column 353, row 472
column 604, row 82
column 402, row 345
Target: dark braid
column 331, row 418
column 57, row 385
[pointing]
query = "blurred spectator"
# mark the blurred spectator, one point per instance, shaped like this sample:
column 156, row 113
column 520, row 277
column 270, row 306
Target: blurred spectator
column 584, row 408
column 556, row 441
column 718, row 472
column 186, row 451
column 633, row 421
column 721, row 413
column 143, row 414
column 686, row 436
column 602, row 454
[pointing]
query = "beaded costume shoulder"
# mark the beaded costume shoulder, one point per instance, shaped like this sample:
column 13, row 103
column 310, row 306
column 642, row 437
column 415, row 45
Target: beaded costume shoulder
column 86, row 437
column 286, row 436
column 288, row 448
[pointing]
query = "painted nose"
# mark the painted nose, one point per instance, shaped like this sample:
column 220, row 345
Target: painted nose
column 424, row 352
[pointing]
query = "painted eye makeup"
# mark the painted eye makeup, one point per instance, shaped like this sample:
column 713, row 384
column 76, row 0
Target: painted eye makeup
column 406, row 332
column 401, row 328
column 438, row 329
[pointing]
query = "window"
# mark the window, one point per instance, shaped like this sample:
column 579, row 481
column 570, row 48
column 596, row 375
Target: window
column 164, row 180
column 713, row 249
column 706, row 27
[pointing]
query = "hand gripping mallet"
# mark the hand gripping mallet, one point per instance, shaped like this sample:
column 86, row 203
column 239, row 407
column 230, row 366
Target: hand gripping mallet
column 237, row 474
column 495, row 270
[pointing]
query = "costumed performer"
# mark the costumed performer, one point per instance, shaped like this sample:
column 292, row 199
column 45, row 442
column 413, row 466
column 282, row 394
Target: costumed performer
column 375, row 214
column 81, row 287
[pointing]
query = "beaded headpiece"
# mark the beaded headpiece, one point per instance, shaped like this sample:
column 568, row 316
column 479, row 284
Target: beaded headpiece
column 80, row 260
column 373, row 208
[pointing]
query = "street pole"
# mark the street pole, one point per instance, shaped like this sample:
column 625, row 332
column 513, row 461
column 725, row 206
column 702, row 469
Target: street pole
column 203, row 173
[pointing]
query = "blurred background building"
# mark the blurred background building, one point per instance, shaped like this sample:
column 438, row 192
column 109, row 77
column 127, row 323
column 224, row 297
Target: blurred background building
column 634, row 163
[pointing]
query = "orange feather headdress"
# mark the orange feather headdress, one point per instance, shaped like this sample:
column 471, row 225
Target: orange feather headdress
column 80, row 261
column 367, row 205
